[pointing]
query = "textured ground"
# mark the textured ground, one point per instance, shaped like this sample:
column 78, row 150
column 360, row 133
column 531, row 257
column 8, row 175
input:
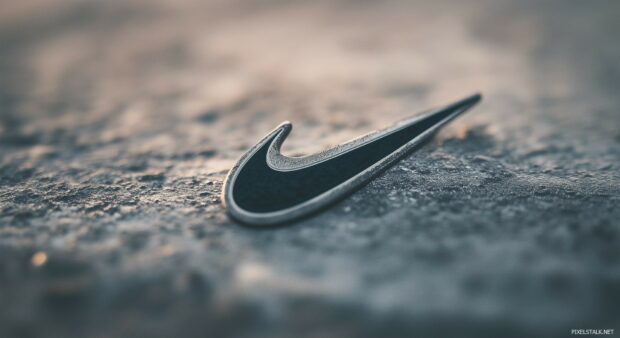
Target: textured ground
column 119, row 120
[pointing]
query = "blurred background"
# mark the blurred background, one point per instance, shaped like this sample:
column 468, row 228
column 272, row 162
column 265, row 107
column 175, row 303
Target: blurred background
column 120, row 119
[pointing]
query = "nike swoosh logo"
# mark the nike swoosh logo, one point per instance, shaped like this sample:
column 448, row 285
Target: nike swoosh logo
column 268, row 188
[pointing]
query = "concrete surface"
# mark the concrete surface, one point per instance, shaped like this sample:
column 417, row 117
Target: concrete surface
column 119, row 120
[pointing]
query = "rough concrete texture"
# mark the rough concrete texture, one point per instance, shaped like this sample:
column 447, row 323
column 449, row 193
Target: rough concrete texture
column 119, row 120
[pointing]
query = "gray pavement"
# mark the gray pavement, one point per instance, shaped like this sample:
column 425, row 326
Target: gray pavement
column 119, row 120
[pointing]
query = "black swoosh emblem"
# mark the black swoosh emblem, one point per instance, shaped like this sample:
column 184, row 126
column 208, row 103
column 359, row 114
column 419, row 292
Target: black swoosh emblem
column 267, row 188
